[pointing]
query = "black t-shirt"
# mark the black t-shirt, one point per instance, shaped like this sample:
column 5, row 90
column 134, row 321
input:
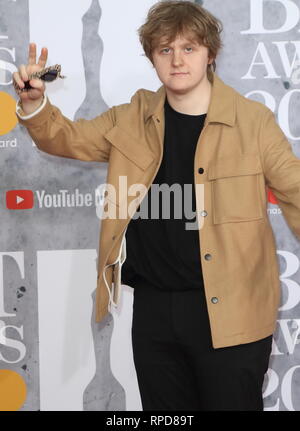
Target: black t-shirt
column 161, row 251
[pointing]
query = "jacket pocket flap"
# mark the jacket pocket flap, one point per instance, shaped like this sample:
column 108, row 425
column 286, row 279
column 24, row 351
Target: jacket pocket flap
column 235, row 166
column 130, row 147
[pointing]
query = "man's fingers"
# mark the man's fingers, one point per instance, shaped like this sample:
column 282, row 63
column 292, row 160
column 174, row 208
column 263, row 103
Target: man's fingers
column 18, row 83
column 31, row 94
column 38, row 87
column 23, row 73
column 32, row 53
column 37, row 83
column 43, row 57
column 18, row 80
column 32, row 56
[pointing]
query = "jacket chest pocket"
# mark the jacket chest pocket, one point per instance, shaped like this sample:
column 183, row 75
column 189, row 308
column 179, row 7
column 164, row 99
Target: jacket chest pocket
column 128, row 161
column 235, row 189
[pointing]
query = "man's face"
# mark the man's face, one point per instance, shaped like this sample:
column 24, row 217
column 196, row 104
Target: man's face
column 182, row 64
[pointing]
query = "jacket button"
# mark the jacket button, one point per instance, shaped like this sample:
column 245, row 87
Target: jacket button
column 208, row 257
column 203, row 213
column 158, row 120
column 114, row 237
column 214, row 300
column 200, row 170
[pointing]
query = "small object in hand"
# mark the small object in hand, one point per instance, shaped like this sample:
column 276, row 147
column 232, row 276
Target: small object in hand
column 48, row 74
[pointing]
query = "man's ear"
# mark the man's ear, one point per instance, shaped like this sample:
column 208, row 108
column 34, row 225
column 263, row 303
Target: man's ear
column 210, row 60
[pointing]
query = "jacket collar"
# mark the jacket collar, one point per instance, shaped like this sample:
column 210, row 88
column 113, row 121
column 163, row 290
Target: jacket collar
column 221, row 109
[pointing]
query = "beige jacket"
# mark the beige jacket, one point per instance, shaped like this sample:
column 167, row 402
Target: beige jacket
column 241, row 150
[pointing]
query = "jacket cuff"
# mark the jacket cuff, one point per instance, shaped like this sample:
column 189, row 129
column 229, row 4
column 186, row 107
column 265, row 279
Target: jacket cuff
column 40, row 115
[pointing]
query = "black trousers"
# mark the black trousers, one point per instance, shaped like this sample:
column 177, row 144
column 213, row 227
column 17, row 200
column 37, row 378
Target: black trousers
column 177, row 367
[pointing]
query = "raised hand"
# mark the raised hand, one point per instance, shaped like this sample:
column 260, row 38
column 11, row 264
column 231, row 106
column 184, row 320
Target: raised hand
column 32, row 97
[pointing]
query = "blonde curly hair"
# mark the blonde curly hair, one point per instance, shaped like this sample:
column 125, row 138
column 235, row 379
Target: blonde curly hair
column 174, row 17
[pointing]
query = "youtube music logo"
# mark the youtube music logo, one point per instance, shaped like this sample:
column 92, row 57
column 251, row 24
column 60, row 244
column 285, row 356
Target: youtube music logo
column 19, row 199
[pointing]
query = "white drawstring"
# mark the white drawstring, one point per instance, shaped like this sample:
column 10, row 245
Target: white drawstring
column 116, row 283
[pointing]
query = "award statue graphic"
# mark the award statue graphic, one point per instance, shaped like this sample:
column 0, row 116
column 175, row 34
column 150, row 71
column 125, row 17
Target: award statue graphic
column 113, row 342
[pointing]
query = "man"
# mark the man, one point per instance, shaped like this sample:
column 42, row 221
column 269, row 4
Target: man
column 205, row 300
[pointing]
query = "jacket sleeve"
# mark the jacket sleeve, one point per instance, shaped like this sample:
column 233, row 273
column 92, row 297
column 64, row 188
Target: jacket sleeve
column 281, row 169
column 55, row 134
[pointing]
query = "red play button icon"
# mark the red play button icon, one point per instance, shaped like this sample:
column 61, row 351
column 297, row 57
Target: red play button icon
column 19, row 199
